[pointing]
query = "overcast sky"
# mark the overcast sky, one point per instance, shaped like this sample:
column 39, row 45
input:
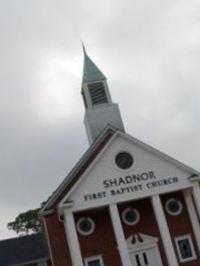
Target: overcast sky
column 150, row 53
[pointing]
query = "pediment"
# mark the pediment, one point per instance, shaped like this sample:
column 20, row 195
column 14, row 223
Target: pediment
column 104, row 182
column 140, row 241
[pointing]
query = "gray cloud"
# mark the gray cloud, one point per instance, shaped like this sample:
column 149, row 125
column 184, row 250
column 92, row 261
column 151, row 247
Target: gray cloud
column 149, row 50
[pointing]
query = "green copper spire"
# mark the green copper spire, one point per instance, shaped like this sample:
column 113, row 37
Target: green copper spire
column 91, row 72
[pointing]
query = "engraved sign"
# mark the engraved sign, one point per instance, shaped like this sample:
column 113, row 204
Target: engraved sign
column 130, row 184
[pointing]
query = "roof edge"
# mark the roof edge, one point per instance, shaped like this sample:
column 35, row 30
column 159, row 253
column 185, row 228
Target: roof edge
column 156, row 151
column 46, row 208
column 30, row 262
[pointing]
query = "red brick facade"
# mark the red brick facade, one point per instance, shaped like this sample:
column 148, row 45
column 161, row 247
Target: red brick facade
column 180, row 225
column 102, row 240
column 57, row 241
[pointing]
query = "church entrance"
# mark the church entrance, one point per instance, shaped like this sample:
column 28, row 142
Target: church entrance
column 144, row 258
column 143, row 250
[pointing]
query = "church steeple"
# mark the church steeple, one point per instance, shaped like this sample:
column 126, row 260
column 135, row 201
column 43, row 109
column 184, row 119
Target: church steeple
column 90, row 71
column 100, row 110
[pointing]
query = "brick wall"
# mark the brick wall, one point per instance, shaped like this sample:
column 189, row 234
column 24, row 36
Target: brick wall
column 102, row 240
column 57, row 238
column 180, row 225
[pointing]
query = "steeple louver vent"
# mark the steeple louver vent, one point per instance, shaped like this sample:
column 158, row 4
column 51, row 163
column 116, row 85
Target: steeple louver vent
column 84, row 99
column 97, row 93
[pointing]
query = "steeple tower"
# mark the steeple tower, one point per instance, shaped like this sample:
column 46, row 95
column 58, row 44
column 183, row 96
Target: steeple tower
column 99, row 109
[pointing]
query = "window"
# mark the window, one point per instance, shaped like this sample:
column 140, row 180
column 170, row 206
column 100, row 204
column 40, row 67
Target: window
column 185, row 248
column 97, row 93
column 124, row 160
column 85, row 226
column 173, row 206
column 94, row 261
column 130, row 216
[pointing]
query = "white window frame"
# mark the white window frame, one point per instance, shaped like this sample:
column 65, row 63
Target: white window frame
column 83, row 232
column 194, row 256
column 120, row 169
column 168, row 209
column 124, row 216
column 89, row 259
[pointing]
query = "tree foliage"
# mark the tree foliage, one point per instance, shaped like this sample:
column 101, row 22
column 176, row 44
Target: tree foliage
column 26, row 223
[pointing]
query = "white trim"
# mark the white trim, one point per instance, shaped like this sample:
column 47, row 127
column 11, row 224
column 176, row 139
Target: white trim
column 196, row 196
column 119, row 235
column 31, row 262
column 74, row 170
column 193, row 216
column 138, row 244
column 93, row 146
column 168, row 209
column 78, row 227
column 89, row 259
column 164, row 230
column 72, row 239
column 191, row 246
column 157, row 152
column 194, row 178
column 62, row 202
column 136, row 142
column 124, row 216
column 48, row 241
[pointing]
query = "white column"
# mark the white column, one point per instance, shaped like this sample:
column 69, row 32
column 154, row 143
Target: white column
column 196, row 196
column 119, row 235
column 193, row 216
column 164, row 230
column 72, row 239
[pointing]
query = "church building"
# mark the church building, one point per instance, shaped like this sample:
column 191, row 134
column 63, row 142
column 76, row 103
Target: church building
column 124, row 203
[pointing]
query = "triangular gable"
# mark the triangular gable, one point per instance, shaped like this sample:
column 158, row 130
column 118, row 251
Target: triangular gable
column 78, row 169
column 92, row 189
column 103, row 142
column 160, row 154
column 139, row 241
